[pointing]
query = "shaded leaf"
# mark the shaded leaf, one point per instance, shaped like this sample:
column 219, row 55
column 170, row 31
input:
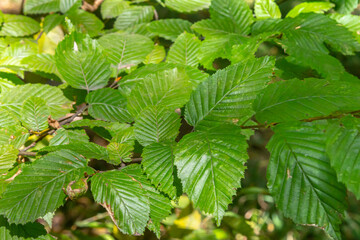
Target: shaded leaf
column 8, row 156
column 169, row 28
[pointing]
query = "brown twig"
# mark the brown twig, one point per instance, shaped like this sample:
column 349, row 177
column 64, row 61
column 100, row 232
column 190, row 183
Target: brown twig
column 70, row 119
column 23, row 153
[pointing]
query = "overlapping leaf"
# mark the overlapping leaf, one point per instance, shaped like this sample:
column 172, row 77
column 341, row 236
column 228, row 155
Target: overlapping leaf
column 185, row 50
column 187, row 5
column 297, row 100
column 124, row 198
column 109, row 105
column 234, row 11
column 228, row 94
column 343, row 144
column 126, row 50
column 169, row 28
column 210, row 165
column 160, row 206
column 86, row 22
column 113, row 8
column 41, row 6
column 18, row 26
column 345, row 6
column 158, row 163
column 80, row 62
column 34, row 114
column 8, row 156
column 266, row 9
column 316, row 7
column 301, row 179
column 63, row 136
column 13, row 99
column 38, row 189
column 156, row 124
column 134, row 15
column 168, row 89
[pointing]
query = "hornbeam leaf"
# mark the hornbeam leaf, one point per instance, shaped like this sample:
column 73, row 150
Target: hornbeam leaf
column 18, row 26
column 124, row 198
column 81, row 63
column 210, row 165
column 187, row 5
column 34, row 114
column 345, row 6
column 134, row 15
column 301, row 179
column 169, row 89
column 126, row 50
column 113, row 8
column 185, row 50
column 169, row 28
column 228, row 94
column 160, row 206
column 38, row 189
column 266, row 9
column 343, row 144
column 13, row 99
column 86, row 22
column 41, row 6
column 156, row 124
column 8, row 156
column 66, row 5
column 316, row 7
column 109, row 105
column 234, row 11
column 158, row 163
column 297, row 100
column 63, row 136
column 156, row 56
column 29, row 231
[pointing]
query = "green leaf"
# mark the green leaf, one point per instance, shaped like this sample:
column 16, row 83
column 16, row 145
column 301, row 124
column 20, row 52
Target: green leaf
column 41, row 6
column 63, row 136
column 221, row 48
column 51, row 21
column 86, row 22
column 266, row 9
column 86, row 149
column 156, row 124
column 5, row 85
column 113, row 8
column 345, row 6
column 301, row 180
column 351, row 22
column 248, row 49
column 80, row 61
column 7, row 119
column 13, row 99
column 119, row 152
column 124, row 198
column 169, row 89
column 215, row 28
column 169, row 28
column 8, row 156
column 228, row 94
column 210, row 165
column 306, row 7
column 109, row 105
column 29, row 231
column 158, row 163
column 187, row 5
column 185, row 50
column 130, row 81
column 37, row 190
column 43, row 62
column 234, row 11
column 14, row 135
column 156, row 56
column 66, row 5
column 297, row 100
column 160, row 206
column 34, row 114
column 343, row 144
column 126, row 50
column 134, row 15
column 18, row 26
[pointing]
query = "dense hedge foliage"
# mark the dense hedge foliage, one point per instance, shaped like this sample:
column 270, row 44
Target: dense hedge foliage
column 176, row 102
